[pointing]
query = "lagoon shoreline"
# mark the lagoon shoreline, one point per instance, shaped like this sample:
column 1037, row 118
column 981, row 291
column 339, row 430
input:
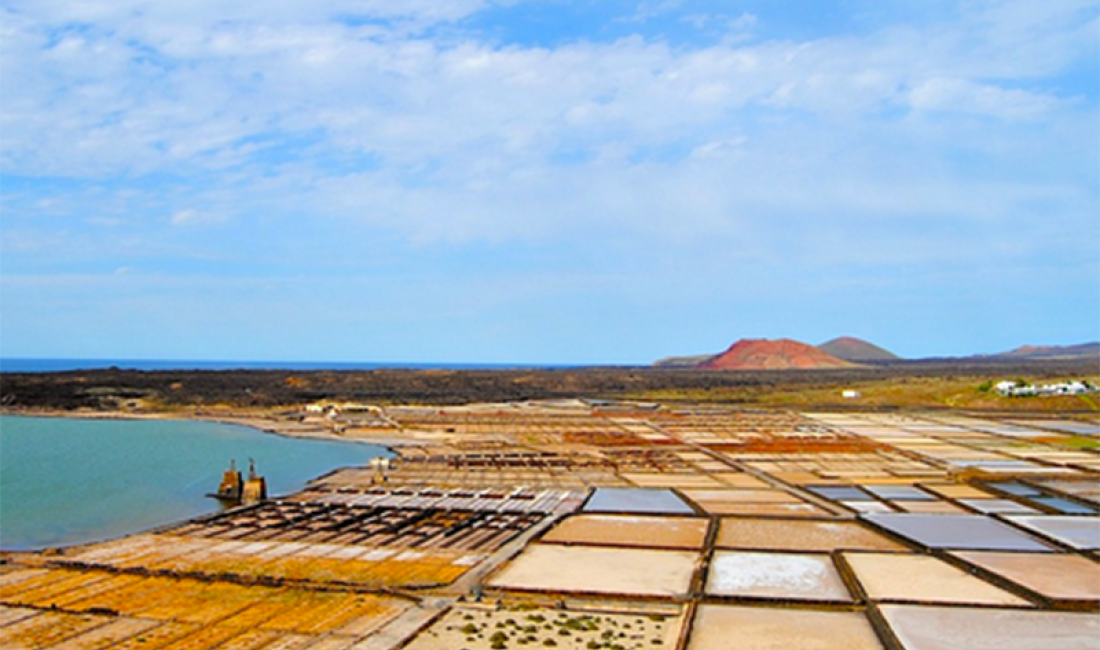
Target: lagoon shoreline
column 259, row 422
column 95, row 482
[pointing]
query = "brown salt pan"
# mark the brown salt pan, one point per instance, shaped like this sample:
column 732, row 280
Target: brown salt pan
column 990, row 506
column 705, row 497
column 1059, row 577
column 626, row 530
column 719, row 627
column 954, row 628
column 922, row 578
column 958, row 491
column 671, row 480
column 928, row 507
column 787, row 535
column 544, row 567
column 778, row 509
column 740, row 480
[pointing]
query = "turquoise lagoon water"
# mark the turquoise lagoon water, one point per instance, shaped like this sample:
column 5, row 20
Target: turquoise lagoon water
column 70, row 481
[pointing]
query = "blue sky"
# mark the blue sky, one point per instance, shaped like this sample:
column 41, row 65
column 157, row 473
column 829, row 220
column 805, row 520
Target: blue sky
column 551, row 181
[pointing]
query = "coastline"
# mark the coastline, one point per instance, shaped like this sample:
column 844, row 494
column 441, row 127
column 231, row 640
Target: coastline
column 259, row 422
column 255, row 424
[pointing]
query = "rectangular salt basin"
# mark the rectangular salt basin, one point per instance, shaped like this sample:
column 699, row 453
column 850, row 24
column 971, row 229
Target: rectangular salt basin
column 627, row 571
column 671, row 480
column 923, row 578
column 705, row 498
column 1016, row 488
column 740, row 481
column 975, row 532
column 1081, row 533
column 730, row 502
column 958, row 628
column 800, row 535
column 1064, row 506
column 1055, row 576
column 787, row 576
column 1067, row 426
column 928, row 507
column 637, row 501
column 899, row 492
column 839, row 492
column 1088, row 490
column 867, row 506
column 995, row 506
column 955, row 491
column 776, row 509
column 721, row 627
column 630, row 530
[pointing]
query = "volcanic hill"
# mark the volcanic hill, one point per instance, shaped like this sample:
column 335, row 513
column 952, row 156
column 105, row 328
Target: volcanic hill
column 765, row 354
column 1081, row 351
column 850, row 348
column 692, row 361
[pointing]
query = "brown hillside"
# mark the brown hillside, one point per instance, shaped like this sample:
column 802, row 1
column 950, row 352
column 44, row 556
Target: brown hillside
column 850, row 348
column 764, row 354
column 1082, row 351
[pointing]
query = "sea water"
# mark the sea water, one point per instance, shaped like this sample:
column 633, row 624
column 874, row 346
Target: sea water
column 69, row 481
column 32, row 365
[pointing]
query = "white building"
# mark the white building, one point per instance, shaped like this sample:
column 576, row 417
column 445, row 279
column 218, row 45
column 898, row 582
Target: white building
column 1017, row 389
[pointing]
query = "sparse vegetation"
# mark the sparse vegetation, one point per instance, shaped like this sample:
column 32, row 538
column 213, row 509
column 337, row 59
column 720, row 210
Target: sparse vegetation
column 573, row 630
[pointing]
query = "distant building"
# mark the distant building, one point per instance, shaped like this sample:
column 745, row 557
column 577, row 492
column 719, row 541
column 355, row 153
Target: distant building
column 1020, row 389
column 851, row 394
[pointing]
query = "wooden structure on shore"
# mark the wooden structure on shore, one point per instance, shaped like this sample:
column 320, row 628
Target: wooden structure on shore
column 235, row 490
column 255, row 488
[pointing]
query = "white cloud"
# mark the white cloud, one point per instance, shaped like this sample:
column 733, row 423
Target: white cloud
column 191, row 217
column 939, row 94
column 350, row 111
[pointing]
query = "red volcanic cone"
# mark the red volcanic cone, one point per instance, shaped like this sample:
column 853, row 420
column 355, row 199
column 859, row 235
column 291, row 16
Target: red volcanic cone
column 764, row 354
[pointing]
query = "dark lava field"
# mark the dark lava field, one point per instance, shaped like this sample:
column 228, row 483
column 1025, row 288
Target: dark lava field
column 111, row 389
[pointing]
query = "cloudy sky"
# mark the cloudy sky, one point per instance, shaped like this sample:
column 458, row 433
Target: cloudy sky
column 545, row 181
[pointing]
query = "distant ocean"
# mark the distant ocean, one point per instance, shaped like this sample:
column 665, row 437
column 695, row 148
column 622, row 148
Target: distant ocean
column 62, row 365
